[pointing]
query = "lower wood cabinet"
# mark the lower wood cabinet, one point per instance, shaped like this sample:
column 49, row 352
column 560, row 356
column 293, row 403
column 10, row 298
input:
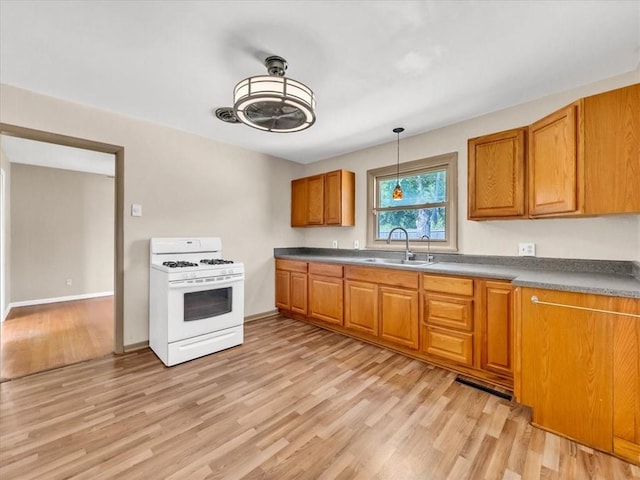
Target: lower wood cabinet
column 383, row 303
column 291, row 286
column 326, row 292
column 496, row 326
column 626, row 382
column 361, row 307
column 580, row 368
column 399, row 316
column 448, row 319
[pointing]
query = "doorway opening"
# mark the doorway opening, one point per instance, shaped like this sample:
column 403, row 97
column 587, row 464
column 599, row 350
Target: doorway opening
column 79, row 314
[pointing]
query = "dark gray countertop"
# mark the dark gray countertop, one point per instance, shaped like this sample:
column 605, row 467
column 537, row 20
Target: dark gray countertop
column 615, row 278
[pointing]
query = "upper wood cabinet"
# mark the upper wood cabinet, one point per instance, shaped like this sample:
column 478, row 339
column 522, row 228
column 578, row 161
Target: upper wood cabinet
column 555, row 162
column 324, row 199
column 496, row 177
column 583, row 159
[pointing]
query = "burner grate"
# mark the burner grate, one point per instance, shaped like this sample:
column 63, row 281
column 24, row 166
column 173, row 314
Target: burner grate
column 215, row 261
column 179, row 264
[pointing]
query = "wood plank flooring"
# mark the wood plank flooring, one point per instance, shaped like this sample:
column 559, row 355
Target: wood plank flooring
column 293, row 402
column 41, row 337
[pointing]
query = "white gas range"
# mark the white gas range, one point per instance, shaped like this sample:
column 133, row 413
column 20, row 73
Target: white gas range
column 196, row 299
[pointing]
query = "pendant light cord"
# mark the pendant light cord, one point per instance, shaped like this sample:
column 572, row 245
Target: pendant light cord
column 398, row 161
column 398, row 131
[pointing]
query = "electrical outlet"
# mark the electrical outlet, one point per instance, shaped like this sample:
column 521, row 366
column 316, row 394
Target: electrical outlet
column 356, row 244
column 527, row 249
column 69, row 282
column 334, row 244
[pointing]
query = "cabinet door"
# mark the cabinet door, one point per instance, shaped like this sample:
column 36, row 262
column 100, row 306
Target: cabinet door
column 361, row 306
column 315, row 200
column 299, row 292
column 325, row 298
column 555, row 163
column 496, row 177
column 332, row 198
column 626, row 382
column 567, row 365
column 299, row 202
column 283, row 289
column 496, row 351
column 399, row 316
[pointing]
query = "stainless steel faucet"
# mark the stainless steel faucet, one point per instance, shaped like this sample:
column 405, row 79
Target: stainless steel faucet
column 407, row 255
column 429, row 257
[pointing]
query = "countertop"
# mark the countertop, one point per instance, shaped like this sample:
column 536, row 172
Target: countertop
column 614, row 278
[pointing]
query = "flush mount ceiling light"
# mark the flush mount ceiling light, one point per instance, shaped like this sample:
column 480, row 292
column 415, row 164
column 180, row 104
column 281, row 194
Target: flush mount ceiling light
column 397, row 191
column 272, row 102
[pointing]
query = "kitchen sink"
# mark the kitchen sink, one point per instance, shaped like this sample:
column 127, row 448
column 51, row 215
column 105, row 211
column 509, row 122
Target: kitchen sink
column 395, row 261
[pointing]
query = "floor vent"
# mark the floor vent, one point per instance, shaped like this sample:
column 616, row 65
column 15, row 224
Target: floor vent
column 484, row 388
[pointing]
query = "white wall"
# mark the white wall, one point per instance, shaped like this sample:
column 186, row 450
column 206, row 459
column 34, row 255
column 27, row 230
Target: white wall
column 611, row 237
column 187, row 185
column 61, row 229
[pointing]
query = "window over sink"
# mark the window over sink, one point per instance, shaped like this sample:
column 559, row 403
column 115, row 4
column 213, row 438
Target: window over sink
column 428, row 206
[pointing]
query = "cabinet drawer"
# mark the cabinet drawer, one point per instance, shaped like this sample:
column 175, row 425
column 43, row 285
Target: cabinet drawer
column 291, row 265
column 453, row 285
column 387, row 276
column 449, row 312
column 326, row 269
column 448, row 344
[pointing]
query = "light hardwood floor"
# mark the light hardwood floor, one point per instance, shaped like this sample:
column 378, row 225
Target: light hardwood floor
column 293, row 402
column 42, row 337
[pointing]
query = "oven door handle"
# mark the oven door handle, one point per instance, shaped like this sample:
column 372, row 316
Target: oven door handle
column 233, row 279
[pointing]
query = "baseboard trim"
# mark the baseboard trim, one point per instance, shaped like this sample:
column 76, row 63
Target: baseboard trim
column 133, row 347
column 41, row 301
column 262, row 316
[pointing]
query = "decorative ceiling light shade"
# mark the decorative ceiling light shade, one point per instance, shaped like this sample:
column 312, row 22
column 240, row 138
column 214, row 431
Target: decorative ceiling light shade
column 397, row 191
column 274, row 103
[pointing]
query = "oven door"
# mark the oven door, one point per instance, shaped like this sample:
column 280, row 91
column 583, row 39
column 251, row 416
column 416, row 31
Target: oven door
column 198, row 307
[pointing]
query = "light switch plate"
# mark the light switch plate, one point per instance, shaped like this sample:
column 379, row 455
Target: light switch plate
column 356, row 244
column 136, row 210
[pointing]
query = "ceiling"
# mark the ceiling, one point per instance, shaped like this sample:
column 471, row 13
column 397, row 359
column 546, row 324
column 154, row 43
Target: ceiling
column 374, row 65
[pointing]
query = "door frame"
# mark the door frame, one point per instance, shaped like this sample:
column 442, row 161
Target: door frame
column 118, row 151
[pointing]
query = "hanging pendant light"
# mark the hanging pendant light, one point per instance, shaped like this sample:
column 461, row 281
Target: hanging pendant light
column 397, row 191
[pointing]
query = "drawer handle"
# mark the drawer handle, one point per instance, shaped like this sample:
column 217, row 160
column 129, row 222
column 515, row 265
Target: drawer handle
column 534, row 299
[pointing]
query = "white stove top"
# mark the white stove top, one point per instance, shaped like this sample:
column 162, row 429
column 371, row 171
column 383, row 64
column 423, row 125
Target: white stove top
column 191, row 257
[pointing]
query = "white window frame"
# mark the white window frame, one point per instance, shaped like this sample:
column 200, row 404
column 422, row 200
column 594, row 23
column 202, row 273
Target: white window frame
column 449, row 162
